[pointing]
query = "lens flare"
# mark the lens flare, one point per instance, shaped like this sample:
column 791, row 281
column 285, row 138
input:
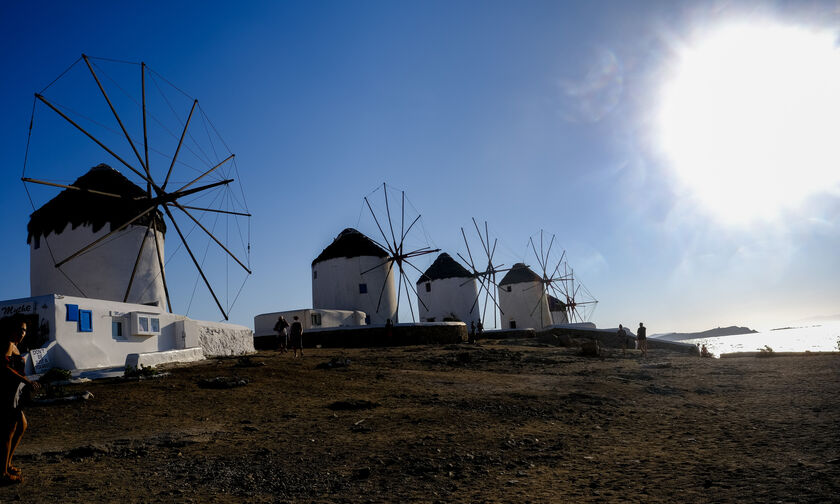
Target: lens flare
column 749, row 119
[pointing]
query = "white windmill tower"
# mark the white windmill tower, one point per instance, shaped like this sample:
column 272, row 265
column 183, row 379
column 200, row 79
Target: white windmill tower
column 447, row 291
column 485, row 273
column 522, row 301
column 352, row 274
column 76, row 217
column 102, row 236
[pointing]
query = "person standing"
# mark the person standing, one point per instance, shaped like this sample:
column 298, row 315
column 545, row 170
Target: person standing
column 297, row 337
column 12, row 382
column 282, row 328
column 641, row 338
column 621, row 334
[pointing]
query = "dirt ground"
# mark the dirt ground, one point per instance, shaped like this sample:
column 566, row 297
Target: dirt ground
column 506, row 421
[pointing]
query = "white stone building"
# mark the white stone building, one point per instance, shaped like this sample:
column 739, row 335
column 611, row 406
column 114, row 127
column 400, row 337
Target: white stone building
column 350, row 274
column 74, row 219
column 522, row 301
column 78, row 333
column 447, row 292
column 309, row 318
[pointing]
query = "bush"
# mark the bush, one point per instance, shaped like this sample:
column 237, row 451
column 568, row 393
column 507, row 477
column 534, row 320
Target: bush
column 142, row 372
column 54, row 375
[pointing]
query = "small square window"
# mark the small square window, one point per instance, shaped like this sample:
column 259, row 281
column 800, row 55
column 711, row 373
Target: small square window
column 85, row 321
column 513, row 324
column 116, row 329
column 362, row 288
column 428, row 287
column 143, row 324
column 509, row 288
column 155, row 324
column 316, row 319
column 72, row 313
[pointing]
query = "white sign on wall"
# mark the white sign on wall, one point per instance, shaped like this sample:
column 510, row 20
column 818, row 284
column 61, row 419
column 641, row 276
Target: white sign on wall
column 40, row 360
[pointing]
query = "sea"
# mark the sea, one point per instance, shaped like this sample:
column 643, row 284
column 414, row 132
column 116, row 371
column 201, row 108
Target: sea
column 810, row 337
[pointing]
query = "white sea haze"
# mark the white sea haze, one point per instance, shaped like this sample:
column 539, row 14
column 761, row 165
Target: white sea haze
column 811, row 337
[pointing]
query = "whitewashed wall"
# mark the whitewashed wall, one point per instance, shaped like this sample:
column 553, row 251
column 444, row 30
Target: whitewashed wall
column 104, row 271
column 335, row 286
column 70, row 348
column 448, row 296
column 559, row 317
column 520, row 302
column 264, row 322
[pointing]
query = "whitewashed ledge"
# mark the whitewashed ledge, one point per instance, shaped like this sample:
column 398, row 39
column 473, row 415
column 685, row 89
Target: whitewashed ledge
column 219, row 339
column 152, row 359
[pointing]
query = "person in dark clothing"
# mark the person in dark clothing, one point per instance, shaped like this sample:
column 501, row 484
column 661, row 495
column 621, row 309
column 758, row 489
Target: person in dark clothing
column 12, row 382
column 623, row 337
column 641, row 338
column 296, row 337
column 282, row 328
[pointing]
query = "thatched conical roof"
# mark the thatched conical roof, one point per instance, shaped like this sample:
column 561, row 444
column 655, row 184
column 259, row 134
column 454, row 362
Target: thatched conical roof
column 555, row 304
column 520, row 273
column 350, row 243
column 444, row 267
column 80, row 208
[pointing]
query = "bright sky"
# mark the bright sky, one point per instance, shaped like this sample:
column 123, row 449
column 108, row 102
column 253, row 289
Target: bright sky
column 684, row 154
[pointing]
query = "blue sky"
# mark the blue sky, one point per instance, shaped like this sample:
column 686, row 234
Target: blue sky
column 529, row 115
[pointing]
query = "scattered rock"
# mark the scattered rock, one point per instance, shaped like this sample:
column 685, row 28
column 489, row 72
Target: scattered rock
column 247, row 362
column 222, row 382
column 590, row 349
column 334, row 363
column 362, row 473
column 83, row 396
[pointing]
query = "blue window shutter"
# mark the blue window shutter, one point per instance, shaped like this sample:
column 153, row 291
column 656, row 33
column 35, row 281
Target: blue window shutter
column 72, row 313
column 85, row 321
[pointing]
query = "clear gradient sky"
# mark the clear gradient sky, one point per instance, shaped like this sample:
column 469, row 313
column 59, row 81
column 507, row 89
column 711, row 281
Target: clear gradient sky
column 530, row 115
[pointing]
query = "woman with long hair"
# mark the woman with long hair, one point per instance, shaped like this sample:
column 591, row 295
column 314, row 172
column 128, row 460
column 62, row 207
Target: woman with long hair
column 12, row 382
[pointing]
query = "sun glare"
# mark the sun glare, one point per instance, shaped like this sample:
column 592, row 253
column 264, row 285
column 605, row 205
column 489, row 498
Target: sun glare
column 749, row 119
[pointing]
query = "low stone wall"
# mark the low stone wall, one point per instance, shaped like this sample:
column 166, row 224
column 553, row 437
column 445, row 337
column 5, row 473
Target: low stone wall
column 218, row 339
column 378, row 336
column 509, row 334
column 563, row 336
column 152, row 359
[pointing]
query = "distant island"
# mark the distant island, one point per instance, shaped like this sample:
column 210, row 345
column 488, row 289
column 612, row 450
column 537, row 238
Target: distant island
column 711, row 333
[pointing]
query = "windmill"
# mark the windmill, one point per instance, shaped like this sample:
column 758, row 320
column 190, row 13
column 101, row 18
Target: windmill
column 559, row 282
column 551, row 283
column 399, row 252
column 580, row 303
column 171, row 166
column 486, row 276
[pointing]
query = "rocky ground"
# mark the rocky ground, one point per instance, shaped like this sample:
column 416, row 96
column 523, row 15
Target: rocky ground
column 506, row 421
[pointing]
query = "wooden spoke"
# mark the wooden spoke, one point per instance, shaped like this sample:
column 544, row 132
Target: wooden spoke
column 388, row 248
column 384, row 283
column 388, row 212
column 220, row 244
column 137, row 261
column 229, row 212
column 178, row 148
column 195, row 261
column 109, row 151
column 75, row 188
column 161, row 266
column 99, row 240
column 116, row 116
column 208, row 172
